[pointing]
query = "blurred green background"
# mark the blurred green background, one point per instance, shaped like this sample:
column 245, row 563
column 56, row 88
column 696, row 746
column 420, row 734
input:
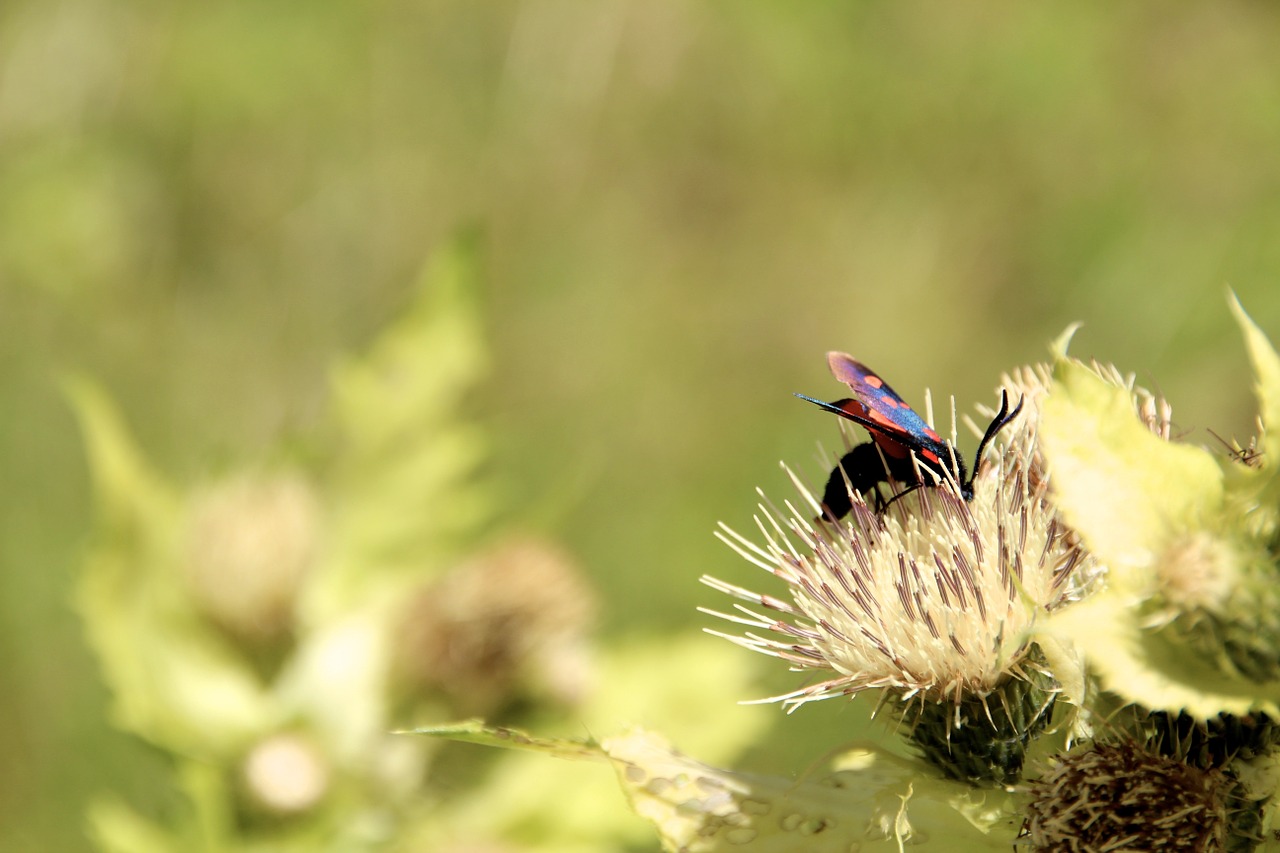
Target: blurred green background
column 681, row 205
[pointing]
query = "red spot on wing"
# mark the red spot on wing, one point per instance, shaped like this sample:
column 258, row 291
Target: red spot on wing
column 883, row 419
column 856, row 408
column 896, row 428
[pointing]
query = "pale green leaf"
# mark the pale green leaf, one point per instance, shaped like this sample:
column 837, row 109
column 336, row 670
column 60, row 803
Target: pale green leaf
column 1266, row 371
column 173, row 679
column 403, row 489
column 1152, row 668
column 116, row 828
column 133, row 506
column 1067, row 665
column 336, row 680
column 881, row 803
column 1260, row 780
column 212, row 824
column 876, row 802
column 1061, row 343
column 1123, row 488
column 1258, row 776
column 662, row 682
column 536, row 805
column 476, row 732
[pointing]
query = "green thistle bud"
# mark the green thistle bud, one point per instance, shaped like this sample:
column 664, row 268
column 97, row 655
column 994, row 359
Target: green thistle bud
column 983, row 738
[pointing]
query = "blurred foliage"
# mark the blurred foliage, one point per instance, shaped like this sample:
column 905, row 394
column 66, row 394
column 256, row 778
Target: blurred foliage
column 268, row 631
column 682, row 207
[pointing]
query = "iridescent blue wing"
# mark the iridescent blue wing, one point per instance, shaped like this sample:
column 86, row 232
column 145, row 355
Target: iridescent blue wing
column 894, row 425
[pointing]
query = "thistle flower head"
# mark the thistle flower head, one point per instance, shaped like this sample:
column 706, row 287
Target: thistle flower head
column 935, row 597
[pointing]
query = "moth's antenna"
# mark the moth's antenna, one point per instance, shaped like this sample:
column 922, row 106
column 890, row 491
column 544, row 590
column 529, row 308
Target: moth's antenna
column 999, row 422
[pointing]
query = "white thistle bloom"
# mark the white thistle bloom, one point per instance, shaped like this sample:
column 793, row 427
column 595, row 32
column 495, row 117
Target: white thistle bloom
column 933, row 598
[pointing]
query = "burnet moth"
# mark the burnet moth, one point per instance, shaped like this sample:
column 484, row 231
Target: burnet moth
column 902, row 443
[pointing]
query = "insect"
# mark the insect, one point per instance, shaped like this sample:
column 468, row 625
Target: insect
column 901, row 442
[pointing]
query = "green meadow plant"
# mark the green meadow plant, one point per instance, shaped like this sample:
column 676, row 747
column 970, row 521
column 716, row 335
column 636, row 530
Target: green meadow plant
column 1085, row 656
column 267, row 630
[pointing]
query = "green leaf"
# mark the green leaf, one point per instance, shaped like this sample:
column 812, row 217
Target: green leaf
column 212, row 821
column 132, row 504
column 876, row 802
column 476, row 732
column 173, row 679
column 1060, row 344
column 204, row 821
column 1151, row 667
column 1266, row 371
column 403, row 490
column 337, row 681
column 116, row 828
column 880, row 802
column 535, row 804
column 546, row 806
column 1122, row 487
column 1260, row 779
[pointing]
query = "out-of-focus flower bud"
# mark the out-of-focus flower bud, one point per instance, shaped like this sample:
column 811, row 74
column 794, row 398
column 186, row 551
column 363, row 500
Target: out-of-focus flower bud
column 248, row 547
column 285, row 774
column 511, row 622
